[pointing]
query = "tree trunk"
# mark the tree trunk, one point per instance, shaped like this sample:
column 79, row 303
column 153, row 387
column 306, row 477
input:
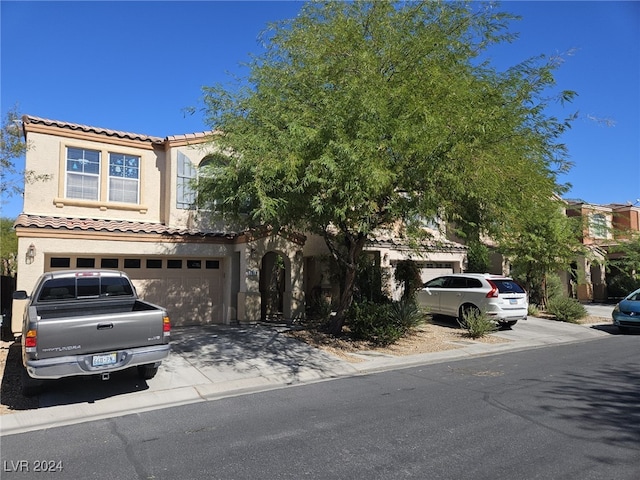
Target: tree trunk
column 350, row 261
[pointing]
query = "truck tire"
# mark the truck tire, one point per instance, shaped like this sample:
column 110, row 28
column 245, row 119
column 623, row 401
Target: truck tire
column 30, row 386
column 147, row 372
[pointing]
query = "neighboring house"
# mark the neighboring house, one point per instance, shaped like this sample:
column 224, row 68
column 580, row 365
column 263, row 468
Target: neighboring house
column 124, row 201
column 604, row 227
column 626, row 218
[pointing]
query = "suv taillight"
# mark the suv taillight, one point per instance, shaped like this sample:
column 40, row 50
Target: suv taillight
column 493, row 293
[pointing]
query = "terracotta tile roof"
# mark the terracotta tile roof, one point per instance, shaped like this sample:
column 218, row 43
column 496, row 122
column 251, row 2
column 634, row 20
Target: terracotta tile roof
column 119, row 226
column 27, row 119
column 198, row 136
column 189, row 136
column 387, row 239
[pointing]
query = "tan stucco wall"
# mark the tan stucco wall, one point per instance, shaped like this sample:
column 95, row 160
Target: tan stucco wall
column 47, row 155
column 189, row 218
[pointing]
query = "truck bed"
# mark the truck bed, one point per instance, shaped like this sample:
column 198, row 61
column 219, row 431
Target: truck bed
column 114, row 325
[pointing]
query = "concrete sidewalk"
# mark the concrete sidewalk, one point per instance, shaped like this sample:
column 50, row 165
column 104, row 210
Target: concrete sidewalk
column 207, row 363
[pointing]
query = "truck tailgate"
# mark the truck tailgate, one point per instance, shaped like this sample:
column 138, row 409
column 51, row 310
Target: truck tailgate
column 98, row 333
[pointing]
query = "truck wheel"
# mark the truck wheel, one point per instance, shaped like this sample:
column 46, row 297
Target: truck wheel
column 30, row 386
column 147, row 372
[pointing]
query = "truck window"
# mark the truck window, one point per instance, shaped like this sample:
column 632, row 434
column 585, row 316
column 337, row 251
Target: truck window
column 88, row 287
column 114, row 286
column 58, row 289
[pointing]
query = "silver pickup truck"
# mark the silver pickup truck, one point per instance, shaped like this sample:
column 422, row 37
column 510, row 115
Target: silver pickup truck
column 89, row 322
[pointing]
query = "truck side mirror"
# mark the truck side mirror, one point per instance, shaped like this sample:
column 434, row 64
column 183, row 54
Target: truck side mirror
column 20, row 295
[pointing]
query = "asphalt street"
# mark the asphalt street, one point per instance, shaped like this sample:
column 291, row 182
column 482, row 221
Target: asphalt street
column 565, row 411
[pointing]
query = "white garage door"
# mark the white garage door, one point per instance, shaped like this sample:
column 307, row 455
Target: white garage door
column 430, row 270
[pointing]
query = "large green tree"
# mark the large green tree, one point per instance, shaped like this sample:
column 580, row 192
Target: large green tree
column 544, row 243
column 364, row 115
column 624, row 268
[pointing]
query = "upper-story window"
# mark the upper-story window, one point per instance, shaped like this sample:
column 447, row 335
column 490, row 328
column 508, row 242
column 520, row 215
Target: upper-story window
column 598, row 227
column 84, row 169
column 187, row 173
column 83, row 174
column 124, row 178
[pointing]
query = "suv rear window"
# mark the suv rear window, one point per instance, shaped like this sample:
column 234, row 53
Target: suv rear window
column 507, row 286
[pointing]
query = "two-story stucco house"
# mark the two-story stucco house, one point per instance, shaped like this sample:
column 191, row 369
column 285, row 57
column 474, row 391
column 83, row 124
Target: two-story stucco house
column 604, row 227
column 124, row 201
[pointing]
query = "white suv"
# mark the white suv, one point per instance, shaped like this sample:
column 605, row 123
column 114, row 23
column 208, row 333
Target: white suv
column 458, row 293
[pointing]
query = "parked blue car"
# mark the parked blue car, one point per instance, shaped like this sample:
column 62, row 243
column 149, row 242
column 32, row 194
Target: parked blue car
column 626, row 314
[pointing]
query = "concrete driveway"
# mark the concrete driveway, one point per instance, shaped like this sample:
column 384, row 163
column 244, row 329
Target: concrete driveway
column 600, row 309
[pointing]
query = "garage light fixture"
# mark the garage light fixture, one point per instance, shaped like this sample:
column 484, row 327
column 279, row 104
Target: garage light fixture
column 31, row 254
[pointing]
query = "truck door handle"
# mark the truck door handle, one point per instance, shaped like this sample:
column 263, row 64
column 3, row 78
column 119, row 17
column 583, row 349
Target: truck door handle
column 105, row 326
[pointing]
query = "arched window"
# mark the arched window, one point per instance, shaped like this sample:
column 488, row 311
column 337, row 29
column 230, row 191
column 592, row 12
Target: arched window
column 188, row 174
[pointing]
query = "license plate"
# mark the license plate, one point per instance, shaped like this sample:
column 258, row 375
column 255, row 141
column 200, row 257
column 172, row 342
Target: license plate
column 513, row 301
column 102, row 360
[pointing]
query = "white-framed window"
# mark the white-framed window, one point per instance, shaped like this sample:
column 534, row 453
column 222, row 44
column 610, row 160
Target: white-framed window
column 83, row 174
column 124, row 178
column 187, row 173
column 598, row 226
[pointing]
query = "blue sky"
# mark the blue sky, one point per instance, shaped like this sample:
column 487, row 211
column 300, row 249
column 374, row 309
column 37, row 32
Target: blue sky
column 135, row 66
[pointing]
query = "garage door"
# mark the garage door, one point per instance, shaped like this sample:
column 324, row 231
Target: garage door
column 430, row 270
column 189, row 288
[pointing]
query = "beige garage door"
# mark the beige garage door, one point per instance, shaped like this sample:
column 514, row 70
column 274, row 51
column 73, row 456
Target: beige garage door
column 431, row 270
column 189, row 288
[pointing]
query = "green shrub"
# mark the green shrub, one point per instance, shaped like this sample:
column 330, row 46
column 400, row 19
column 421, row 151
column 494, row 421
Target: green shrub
column 406, row 313
column 319, row 309
column 554, row 287
column 621, row 284
column 566, row 309
column 383, row 323
column 407, row 273
column 477, row 324
column 371, row 281
column 478, row 257
column 533, row 310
